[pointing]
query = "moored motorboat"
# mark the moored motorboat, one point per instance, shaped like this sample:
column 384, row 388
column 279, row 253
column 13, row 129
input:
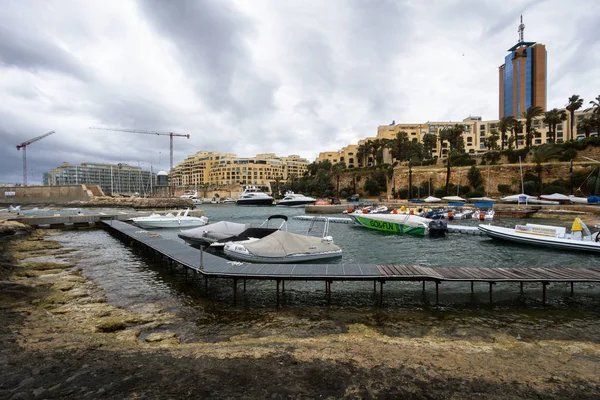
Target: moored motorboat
column 14, row 208
column 292, row 199
column 253, row 196
column 400, row 223
column 208, row 234
column 580, row 238
column 285, row 247
column 561, row 198
column 454, row 199
column 432, row 199
column 180, row 220
column 253, row 233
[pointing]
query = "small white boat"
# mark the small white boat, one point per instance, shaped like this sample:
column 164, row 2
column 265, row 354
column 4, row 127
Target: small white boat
column 228, row 200
column 580, row 237
column 432, row 199
column 578, row 200
column 285, row 247
column 527, row 199
column 189, row 194
column 292, row 199
column 454, row 199
column 208, row 234
column 484, row 215
column 561, row 198
column 14, row 208
column 482, row 199
column 181, row 220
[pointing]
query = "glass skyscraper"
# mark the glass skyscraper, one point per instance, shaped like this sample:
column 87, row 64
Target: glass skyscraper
column 523, row 77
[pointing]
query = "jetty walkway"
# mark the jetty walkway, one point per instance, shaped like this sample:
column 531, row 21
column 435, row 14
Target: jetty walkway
column 210, row 266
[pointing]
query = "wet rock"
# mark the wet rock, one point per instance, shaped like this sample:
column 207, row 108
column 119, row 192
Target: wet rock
column 112, row 324
column 171, row 337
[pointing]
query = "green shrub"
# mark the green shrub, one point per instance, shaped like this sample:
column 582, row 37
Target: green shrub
column 504, row 189
column 568, row 155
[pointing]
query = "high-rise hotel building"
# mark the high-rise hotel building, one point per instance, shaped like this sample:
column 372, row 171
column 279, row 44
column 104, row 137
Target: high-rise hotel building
column 523, row 77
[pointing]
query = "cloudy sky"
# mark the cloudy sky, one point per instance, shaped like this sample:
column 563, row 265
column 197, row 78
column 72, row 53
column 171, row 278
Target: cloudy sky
column 255, row 76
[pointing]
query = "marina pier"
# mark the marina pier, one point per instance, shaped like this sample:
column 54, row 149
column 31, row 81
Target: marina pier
column 209, row 266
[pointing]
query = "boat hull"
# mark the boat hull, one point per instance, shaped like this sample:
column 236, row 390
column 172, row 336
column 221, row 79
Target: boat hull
column 154, row 224
column 290, row 259
column 296, row 203
column 254, row 202
column 509, row 235
column 388, row 226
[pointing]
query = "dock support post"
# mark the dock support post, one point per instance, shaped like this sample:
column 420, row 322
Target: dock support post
column 282, row 286
column 201, row 257
column 423, row 287
column 381, row 282
column 234, row 290
column 278, row 292
column 491, row 292
column 521, row 288
column 471, row 286
column 244, row 286
column 437, row 292
column 374, row 287
column 544, row 293
column 572, row 292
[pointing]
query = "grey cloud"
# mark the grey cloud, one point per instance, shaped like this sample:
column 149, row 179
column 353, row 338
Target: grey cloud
column 22, row 48
column 210, row 39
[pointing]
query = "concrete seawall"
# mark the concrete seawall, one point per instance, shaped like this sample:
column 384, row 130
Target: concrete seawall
column 44, row 194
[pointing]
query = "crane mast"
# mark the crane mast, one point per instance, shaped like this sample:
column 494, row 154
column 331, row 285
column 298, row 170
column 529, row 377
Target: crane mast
column 24, row 147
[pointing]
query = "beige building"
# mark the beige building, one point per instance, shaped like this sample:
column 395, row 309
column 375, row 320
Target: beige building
column 218, row 169
column 475, row 133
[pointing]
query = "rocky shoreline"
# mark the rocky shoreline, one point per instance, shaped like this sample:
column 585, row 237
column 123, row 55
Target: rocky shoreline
column 62, row 339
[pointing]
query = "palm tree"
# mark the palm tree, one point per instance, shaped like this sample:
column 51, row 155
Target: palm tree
column 505, row 125
column 574, row 104
column 542, row 154
column 530, row 114
column 516, row 129
column 552, row 119
column 595, row 108
column 444, row 135
column 586, row 125
column 429, row 142
column 491, row 142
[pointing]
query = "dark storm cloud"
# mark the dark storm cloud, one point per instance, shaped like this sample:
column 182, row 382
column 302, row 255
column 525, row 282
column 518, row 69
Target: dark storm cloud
column 210, row 38
column 26, row 49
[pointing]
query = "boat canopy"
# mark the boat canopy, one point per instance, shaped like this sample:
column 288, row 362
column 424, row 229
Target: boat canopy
column 432, row 199
column 281, row 244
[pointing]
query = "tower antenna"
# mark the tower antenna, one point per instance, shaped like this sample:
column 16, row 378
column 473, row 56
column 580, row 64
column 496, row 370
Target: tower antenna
column 521, row 30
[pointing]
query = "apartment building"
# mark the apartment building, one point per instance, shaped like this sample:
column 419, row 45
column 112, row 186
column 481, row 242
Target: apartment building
column 214, row 168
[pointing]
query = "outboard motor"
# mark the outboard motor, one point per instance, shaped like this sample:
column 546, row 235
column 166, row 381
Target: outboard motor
column 438, row 228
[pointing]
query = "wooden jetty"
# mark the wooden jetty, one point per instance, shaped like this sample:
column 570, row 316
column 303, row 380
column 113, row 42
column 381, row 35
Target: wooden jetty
column 83, row 219
column 211, row 266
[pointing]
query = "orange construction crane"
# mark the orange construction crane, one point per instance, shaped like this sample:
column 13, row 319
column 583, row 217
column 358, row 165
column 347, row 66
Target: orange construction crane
column 170, row 134
column 24, row 147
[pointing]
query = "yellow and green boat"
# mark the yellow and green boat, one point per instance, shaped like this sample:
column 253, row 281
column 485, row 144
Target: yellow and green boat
column 399, row 223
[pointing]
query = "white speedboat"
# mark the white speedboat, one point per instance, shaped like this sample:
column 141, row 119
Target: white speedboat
column 208, row 234
column 292, row 199
column 189, row 194
column 399, row 223
column 253, row 196
column 228, row 200
column 181, row 220
column 580, row 237
column 432, row 199
column 14, row 208
column 285, row 247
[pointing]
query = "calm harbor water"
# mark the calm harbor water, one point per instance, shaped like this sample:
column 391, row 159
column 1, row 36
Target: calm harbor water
column 133, row 281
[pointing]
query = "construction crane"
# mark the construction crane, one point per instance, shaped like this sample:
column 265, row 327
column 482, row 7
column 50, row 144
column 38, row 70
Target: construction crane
column 170, row 134
column 24, row 147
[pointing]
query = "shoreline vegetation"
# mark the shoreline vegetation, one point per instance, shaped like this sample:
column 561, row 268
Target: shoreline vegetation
column 62, row 338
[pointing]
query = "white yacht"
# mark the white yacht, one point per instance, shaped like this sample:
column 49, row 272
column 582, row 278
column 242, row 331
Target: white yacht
column 253, row 196
column 292, row 199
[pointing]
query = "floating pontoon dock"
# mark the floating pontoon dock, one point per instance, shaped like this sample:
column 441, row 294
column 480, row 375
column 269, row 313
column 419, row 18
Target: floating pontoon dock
column 211, row 266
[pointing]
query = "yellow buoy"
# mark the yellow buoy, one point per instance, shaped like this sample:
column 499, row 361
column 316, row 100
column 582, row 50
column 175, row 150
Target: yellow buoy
column 576, row 225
